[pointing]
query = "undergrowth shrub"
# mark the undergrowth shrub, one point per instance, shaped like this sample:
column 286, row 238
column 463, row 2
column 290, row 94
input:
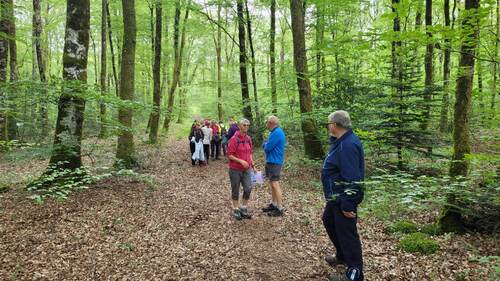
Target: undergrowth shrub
column 418, row 243
column 402, row 226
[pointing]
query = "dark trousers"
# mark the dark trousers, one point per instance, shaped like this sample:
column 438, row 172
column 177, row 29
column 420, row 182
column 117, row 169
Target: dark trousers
column 344, row 235
column 206, row 150
column 215, row 149
column 192, row 148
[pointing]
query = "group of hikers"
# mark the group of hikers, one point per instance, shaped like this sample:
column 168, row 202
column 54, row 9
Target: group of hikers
column 342, row 171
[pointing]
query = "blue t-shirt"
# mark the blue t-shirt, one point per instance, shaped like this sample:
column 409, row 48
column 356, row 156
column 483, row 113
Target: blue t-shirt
column 274, row 147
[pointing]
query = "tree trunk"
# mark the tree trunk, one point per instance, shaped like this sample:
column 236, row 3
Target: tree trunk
column 272, row 59
column 429, row 67
column 11, row 119
column 218, row 50
column 247, row 107
column 4, row 54
column 397, row 77
column 66, row 152
column 178, row 49
column 112, row 49
column 125, row 152
column 320, row 30
column 312, row 143
column 37, row 34
column 443, row 121
column 257, row 127
column 494, row 91
column 450, row 221
column 104, row 65
column 155, row 120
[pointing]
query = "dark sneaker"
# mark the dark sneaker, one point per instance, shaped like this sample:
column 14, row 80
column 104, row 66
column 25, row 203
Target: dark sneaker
column 237, row 214
column 245, row 213
column 276, row 212
column 333, row 261
column 269, row 208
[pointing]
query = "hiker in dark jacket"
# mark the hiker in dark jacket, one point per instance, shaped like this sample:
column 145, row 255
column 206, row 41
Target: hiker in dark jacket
column 342, row 172
column 233, row 127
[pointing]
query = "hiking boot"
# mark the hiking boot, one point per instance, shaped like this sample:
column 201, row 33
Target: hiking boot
column 352, row 274
column 245, row 213
column 276, row 212
column 237, row 214
column 269, row 208
column 333, row 261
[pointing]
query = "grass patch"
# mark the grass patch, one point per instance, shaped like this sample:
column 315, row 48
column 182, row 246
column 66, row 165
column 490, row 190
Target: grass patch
column 418, row 243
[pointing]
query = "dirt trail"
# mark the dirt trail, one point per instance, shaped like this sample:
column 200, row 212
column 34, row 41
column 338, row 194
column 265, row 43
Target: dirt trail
column 181, row 229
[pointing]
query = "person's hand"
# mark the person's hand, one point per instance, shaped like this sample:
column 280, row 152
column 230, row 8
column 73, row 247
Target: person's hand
column 350, row 215
column 244, row 164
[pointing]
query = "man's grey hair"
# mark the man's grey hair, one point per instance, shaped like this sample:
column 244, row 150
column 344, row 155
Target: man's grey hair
column 244, row 121
column 273, row 119
column 341, row 118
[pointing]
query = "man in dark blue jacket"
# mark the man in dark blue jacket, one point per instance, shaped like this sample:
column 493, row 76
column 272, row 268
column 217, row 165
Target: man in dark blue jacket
column 274, row 148
column 342, row 172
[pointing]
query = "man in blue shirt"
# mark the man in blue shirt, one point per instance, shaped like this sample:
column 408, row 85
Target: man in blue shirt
column 274, row 148
column 343, row 170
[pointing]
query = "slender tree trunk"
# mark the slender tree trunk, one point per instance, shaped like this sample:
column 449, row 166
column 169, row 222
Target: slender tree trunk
column 178, row 49
column 257, row 128
column 112, row 49
column 104, row 67
column 429, row 67
column 66, row 152
column 443, row 121
column 37, row 34
column 218, row 50
column 312, row 143
column 272, row 59
column 11, row 119
column 153, row 133
column 125, row 152
column 450, row 220
column 4, row 55
column 247, row 107
column 494, row 91
column 397, row 77
column 320, row 30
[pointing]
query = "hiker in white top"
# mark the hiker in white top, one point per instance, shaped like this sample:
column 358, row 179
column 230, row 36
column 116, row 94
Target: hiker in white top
column 207, row 133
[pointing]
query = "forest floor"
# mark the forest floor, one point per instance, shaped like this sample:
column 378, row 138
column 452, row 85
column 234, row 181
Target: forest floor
column 178, row 227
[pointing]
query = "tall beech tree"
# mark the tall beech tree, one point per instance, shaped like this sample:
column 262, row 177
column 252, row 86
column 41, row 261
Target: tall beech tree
column 125, row 152
column 104, row 66
column 66, row 153
column 429, row 66
column 247, row 107
column 37, row 35
column 272, row 58
column 4, row 55
column 451, row 218
column 155, row 120
column 443, row 120
column 312, row 143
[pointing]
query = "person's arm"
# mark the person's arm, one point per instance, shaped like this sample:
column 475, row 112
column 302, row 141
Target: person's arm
column 272, row 142
column 351, row 174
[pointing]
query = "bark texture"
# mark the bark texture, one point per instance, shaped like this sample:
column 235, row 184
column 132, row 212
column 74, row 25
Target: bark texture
column 247, row 107
column 155, row 120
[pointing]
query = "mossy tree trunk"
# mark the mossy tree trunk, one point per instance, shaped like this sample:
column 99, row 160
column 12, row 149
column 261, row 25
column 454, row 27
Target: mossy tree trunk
column 450, row 220
column 125, row 152
column 66, row 153
column 312, row 143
